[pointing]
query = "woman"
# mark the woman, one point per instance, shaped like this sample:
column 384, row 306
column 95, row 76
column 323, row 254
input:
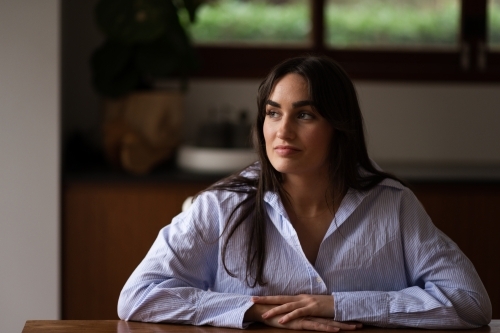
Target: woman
column 314, row 236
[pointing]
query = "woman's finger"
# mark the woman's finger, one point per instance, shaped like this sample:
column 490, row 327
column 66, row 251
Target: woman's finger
column 284, row 308
column 346, row 326
column 316, row 326
column 304, row 306
column 356, row 323
column 299, row 312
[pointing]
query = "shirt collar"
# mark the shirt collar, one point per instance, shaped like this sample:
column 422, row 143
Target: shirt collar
column 274, row 200
column 350, row 202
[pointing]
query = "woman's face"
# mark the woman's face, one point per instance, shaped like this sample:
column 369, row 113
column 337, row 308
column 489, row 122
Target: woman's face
column 297, row 136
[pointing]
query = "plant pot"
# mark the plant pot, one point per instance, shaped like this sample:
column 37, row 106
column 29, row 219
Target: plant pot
column 142, row 129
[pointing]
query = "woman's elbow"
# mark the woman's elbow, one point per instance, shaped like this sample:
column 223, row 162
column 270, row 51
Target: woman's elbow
column 126, row 306
column 123, row 309
column 477, row 312
column 131, row 301
column 484, row 314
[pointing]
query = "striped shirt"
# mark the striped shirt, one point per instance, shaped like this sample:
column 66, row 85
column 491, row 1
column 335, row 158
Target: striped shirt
column 382, row 259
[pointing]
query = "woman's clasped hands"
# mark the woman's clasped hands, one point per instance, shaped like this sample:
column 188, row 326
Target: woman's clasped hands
column 301, row 312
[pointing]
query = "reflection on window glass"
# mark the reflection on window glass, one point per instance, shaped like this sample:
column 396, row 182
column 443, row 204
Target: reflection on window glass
column 494, row 23
column 253, row 21
column 397, row 23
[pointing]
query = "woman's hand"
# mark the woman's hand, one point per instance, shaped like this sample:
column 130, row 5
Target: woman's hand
column 303, row 323
column 311, row 324
column 299, row 306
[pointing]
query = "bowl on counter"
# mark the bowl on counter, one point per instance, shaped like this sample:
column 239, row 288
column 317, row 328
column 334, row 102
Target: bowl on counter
column 214, row 160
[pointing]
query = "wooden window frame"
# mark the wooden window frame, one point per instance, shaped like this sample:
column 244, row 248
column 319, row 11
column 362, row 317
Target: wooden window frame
column 471, row 62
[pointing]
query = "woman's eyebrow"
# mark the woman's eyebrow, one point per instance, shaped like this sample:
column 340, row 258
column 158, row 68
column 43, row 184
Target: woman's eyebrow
column 302, row 103
column 273, row 103
column 297, row 104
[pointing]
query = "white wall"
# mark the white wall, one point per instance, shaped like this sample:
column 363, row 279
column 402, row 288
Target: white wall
column 441, row 124
column 29, row 162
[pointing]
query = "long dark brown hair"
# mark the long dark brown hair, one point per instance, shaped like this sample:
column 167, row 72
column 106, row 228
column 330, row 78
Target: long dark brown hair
column 334, row 97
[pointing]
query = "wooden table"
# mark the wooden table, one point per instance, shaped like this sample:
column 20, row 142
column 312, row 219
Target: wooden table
column 119, row 326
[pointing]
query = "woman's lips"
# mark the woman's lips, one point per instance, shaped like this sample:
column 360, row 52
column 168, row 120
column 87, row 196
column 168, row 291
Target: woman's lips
column 286, row 150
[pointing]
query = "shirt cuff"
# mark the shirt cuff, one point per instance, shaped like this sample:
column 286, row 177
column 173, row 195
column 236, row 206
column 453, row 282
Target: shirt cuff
column 363, row 306
column 223, row 310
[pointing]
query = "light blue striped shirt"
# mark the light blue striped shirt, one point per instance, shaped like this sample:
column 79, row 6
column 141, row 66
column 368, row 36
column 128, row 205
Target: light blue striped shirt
column 382, row 259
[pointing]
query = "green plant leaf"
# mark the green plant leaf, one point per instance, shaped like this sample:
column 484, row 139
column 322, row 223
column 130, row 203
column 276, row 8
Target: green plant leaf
column 113, row 71
column 145, row 41
column 191, row 7
column 131, row 21
column 170, row 55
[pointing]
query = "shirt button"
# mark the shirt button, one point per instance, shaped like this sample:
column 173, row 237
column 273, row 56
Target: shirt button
column 318, row 279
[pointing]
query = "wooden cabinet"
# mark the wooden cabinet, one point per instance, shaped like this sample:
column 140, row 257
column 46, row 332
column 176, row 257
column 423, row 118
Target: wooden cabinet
column 108, row 228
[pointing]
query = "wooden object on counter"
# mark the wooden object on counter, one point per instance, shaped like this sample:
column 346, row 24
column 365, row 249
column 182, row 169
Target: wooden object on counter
column 142, row 129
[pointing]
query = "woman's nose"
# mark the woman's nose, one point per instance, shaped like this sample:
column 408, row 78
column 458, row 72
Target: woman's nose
column 285, row 129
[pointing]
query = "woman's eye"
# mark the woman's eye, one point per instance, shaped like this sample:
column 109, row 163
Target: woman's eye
column 271, row 113
column 305, row 115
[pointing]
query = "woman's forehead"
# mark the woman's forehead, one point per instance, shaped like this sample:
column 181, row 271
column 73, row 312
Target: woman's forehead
column 291, row 83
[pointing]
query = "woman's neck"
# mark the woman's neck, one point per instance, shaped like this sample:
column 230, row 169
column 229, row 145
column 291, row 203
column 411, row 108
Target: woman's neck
column 311, row 206
column 309, row 196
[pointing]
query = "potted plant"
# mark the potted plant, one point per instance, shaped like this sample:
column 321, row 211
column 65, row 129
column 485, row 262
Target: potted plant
column 145, row 41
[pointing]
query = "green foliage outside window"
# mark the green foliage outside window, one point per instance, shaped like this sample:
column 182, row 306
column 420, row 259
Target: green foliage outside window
column 386, row 22
column 494, row 23
column 348, row 22
column 252, row 21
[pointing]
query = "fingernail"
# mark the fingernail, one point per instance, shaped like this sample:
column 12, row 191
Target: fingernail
column 264, row 315
column 280, row 321
column 254, row 298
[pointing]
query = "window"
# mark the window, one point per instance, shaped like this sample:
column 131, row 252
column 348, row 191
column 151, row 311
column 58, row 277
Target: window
column 392, row 23
column 456, row 49
column 254, row 22
column 494, row 24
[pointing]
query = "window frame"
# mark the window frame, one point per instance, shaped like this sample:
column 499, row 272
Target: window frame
column 471, row 62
